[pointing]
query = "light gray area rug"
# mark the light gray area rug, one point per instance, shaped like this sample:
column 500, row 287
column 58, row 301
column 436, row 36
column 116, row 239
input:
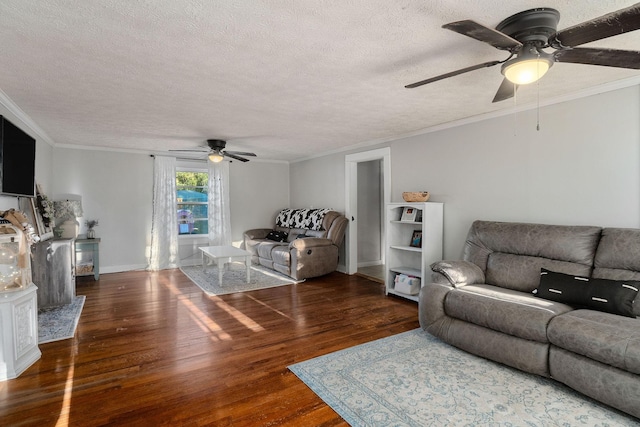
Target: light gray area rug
column 234, row 278
column 414, row 379
column 59, row 323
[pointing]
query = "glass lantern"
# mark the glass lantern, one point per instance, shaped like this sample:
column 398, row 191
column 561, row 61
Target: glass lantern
column 15, row 263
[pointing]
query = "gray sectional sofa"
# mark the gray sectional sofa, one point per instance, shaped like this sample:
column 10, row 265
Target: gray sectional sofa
column 304, row 243
column 581, row 328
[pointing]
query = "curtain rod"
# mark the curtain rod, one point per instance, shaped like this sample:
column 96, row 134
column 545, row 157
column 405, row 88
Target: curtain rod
column 190, row 159
column 183, row 158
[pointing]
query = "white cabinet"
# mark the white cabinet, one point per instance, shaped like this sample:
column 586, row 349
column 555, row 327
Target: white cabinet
column 54, row 272
column 18, row 332
column 401, row 256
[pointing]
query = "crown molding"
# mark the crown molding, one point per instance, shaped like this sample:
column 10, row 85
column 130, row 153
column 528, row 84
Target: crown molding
column 13, row 108
column 152, row 153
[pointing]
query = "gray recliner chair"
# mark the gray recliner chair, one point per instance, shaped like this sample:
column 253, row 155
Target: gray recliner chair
column 306, row 252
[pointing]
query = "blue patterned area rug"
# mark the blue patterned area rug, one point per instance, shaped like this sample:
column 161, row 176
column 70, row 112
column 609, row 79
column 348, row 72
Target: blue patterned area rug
column 414, row 379
column 234, row 278
column 59, row 323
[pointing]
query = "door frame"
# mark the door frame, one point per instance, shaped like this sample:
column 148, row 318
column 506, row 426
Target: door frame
column 351, row 199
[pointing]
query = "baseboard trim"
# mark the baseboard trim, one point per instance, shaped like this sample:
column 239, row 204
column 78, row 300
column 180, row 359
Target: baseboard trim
column 122, row 268
column 370, row 263
column 190, row 262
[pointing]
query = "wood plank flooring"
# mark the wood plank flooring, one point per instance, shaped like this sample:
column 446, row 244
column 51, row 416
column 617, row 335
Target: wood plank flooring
column 153, row 349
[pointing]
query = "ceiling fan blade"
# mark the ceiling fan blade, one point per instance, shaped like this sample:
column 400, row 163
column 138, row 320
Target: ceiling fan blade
column 242, row 159
column 193, row 151
column 611, row 24
column 453, row 73
column 484, row 34
column 241, row 153
column 505, row 91
column 605, row 57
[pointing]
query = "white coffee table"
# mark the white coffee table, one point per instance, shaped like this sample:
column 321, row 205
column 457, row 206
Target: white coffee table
column 221, row 255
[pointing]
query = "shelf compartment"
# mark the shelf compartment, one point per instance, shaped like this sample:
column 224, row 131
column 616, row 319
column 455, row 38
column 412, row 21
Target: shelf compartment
column 409, row 271
column 406, row 248
column 400, row 294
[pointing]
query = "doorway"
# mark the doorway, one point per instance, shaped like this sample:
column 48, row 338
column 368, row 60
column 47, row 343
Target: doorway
column 368, row 187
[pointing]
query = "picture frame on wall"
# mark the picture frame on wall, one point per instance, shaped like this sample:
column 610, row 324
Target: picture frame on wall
column 28, row 207
column 44, row 225
column 38, row 217
column 409, row 214
column 416, row 239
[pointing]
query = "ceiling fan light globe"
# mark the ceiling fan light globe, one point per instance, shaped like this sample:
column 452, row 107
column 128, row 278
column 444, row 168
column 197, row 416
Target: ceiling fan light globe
column 524, row 72
column 215, row 157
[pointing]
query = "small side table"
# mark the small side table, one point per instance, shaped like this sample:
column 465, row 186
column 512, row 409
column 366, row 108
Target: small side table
column 84, row 248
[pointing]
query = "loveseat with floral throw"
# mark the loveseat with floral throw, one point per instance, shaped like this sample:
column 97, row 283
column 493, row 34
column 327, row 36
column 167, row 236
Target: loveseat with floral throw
column 303, row 243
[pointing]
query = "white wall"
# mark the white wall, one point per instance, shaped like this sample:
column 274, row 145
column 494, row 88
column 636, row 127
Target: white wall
column 44, row 165
column 582, row 167
column 117, row 189
column 258, row 191
column 318, row 183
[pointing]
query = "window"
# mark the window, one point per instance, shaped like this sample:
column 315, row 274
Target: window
column 193, row 204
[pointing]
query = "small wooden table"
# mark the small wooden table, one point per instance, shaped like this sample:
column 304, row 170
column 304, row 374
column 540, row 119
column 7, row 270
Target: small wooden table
column 221, row 255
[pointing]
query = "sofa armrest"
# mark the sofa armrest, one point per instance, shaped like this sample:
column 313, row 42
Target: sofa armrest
column 457, row 273
column 256, row 233
column 312, row 257
column 431, row 312
column 252, row 238
column 309, row 242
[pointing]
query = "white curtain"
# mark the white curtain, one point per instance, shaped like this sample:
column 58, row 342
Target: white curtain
column 219, row 211
column 164, row 229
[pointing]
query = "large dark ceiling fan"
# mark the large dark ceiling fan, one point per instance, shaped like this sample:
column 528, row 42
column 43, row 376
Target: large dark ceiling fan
column 525, row 35
column 216, row 152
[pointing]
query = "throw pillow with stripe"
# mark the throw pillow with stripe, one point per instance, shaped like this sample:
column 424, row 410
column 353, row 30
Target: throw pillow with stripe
column 611, row 296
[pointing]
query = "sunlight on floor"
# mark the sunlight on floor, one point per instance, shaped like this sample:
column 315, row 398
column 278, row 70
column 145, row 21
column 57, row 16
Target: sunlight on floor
column 205, row 322
column 65, row 409
column 238, row 315
column 201, row 319
column 270, row 308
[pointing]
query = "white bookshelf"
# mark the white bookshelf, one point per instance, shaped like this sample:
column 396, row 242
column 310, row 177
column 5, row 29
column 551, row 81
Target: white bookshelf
column 401, row 257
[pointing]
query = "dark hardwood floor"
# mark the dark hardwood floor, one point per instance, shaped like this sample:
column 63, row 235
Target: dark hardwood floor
column 153, row 349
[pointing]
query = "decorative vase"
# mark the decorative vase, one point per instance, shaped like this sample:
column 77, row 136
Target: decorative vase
column 91, row 233
column 70, row 229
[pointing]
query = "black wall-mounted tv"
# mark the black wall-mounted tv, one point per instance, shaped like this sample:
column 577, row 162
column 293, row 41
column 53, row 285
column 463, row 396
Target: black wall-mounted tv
column 17, row 161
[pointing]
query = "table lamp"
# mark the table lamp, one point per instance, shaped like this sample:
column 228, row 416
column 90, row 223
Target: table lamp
column 66, row 213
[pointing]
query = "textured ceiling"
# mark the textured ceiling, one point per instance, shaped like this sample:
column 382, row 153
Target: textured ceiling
column 287, row 79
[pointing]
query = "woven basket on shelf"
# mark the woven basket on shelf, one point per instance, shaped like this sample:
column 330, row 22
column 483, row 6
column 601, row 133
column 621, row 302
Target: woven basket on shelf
column 415, row 196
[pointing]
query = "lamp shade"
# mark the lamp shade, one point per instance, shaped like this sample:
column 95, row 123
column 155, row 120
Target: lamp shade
column 527, row 71
column 215, row 157
column 67, row 208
